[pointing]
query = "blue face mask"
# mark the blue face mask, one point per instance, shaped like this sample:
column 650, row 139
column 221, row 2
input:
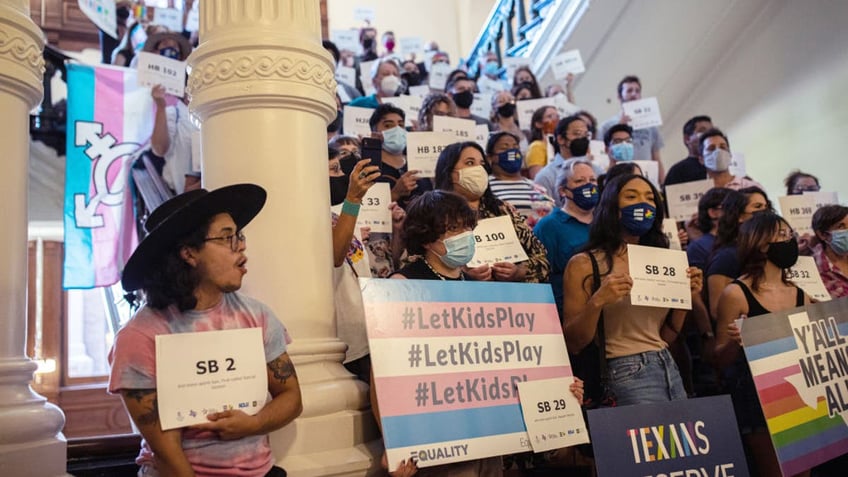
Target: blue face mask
column 586, row 196
column 170, row 52
column 622, row 152
column 459, row 250
column 637, row 219
column 510, row 161
column 394, row 140
column 839, row 242
column 491, row 68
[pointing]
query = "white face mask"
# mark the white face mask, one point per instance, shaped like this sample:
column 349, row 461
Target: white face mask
column 389, row 85
column 717, row 160
column 474, row 179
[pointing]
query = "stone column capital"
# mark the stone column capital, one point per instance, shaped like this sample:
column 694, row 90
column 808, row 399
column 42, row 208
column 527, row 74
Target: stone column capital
column 21, row 58
column 261, row 54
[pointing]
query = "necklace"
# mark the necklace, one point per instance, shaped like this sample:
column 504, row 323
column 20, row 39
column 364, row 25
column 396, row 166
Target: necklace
column 442, row 277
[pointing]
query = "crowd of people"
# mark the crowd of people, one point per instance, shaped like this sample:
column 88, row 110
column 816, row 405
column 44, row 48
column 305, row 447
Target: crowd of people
column 574, row 209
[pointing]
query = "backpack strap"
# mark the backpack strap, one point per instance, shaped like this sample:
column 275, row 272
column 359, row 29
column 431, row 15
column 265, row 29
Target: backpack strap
column 601, row 339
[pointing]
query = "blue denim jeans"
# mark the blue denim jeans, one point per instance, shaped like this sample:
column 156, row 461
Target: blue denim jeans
column 644, row 378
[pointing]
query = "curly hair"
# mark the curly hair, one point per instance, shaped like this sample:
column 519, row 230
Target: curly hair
column 425, row 115
column 431, row 214
column 171, row 280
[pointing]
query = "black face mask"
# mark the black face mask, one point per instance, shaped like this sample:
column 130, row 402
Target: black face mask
column 783, row 254
column 579, row 147
column 506, row 110
column 368, row 43
column 338, row 189
column 336, row 125
column 464, row 99
column 412, row 79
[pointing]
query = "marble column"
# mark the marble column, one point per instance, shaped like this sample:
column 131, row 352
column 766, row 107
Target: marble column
column 263, row 90
column 31, row 442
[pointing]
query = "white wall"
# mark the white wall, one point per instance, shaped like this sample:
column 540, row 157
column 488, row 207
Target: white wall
column 782, row 95
column 771, row 73
column 454, row 24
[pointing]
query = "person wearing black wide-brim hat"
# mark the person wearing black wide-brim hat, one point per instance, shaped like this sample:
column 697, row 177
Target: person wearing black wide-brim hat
column 190, row 267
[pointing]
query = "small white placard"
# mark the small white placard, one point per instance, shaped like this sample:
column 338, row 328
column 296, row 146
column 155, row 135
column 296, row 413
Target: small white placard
column 481, row 135
column 482, row 105
column 411, row 45
column 411, row 106
column 737, row 164
column 496, row 241
column 421, row 90
column 170, row 18
column 102, row 14
column 683, row 198
column 568, row 62
column 356, row 121
column 512, row 63
column 206, row 372
column 526, row 107
column 439, row 75
column 365, row 76
column 659, row 277
column 346, row 40
column 346, row 74
column 806, row 275
column 798, row 210
column 598, row 150
column 423, row 149
column 342, row 92
column 193, row 18
column 823, row 198
column 489, row 85
column 644, row 113
column 461, row 129
column 374, row 211
column 364, row 14
column 670, row 231
column 564, row 108
column 651, row 170
column 552, row 414
column 156, row 69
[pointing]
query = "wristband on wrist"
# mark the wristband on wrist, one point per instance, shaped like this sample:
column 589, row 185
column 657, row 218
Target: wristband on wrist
column 350, row 208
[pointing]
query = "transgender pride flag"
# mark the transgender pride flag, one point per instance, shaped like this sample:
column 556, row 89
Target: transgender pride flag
column 109, row 118
column 799, row 360
column 446, row 358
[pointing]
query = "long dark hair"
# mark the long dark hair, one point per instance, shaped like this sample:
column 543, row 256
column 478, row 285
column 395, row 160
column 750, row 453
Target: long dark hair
column 732, row 208
column 445, row 165
column 172, row 281
column 605, row 232
column 536, row 133
column 753, row 235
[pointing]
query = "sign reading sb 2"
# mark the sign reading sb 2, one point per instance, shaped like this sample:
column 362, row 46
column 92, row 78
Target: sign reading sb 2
column 211, row 366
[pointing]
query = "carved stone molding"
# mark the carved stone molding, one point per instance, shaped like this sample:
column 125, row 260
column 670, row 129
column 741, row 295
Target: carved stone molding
column 260, row 67
column 21, row 60
column 281, row 14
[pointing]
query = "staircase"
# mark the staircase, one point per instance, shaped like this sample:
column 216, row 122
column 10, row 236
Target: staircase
column 526, row 29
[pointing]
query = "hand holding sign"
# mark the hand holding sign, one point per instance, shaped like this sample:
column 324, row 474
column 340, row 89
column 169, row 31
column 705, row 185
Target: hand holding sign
column 661, row 277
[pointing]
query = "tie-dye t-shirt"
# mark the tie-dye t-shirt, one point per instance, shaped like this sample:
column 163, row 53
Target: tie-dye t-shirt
column 133, row 361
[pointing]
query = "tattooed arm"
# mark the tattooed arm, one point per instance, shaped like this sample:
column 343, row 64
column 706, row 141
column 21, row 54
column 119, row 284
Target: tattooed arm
column 282, row 409
column 167, row 447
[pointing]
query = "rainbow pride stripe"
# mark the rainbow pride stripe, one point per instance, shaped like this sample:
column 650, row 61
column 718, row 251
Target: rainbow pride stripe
column 472, row 408
column 802, row 436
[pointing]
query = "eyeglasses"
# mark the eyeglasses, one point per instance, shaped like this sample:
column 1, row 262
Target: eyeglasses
column 233, row 239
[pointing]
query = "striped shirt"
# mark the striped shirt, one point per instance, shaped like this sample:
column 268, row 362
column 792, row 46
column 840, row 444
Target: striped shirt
column 528, row 198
